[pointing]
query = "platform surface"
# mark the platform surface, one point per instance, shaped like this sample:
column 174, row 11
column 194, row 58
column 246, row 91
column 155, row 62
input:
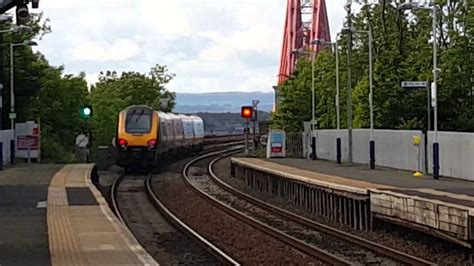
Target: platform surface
column 23, row 228
column 82, row 229
column 450, row 190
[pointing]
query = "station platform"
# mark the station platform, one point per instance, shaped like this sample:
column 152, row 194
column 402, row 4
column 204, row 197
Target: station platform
column 445, row 205
column 82, row 230
column 54, row 215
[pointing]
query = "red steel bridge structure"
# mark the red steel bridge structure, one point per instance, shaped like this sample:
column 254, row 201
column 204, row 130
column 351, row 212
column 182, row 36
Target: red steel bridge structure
column 306, row 21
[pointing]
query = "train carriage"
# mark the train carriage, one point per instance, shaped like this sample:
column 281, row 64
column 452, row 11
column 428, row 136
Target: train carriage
column 178, row 131
column 198, row 129
column 166, row 133
column 188, row 130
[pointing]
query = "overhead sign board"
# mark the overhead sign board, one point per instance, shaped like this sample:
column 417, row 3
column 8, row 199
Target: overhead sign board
column 414, row 84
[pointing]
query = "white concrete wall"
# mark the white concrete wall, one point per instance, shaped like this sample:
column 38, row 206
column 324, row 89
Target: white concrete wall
column 393, row 148
column 5, row 137
column 456, row 154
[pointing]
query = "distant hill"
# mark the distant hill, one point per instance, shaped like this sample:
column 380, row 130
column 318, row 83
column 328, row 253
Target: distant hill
column 221, row 102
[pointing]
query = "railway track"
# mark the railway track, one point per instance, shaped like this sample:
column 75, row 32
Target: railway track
column 331, row 245
column 172, row 240
column 245, row 241
column 295, row 243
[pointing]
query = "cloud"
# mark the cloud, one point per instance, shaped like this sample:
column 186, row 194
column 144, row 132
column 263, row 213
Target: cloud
column 122, row 49
column 211, row 45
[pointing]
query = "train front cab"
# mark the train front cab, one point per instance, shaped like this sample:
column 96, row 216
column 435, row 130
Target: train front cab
column 137, row 137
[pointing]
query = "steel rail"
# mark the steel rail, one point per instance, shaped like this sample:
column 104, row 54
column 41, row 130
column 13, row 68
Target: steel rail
column 295, row 243
column 174, row 220
column 372, row 246
column 113, row 198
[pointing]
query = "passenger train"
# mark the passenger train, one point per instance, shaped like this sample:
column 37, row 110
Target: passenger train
column 145, row 135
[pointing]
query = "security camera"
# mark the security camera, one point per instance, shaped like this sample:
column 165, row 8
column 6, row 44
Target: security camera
column 35, row 3
column 22, row 14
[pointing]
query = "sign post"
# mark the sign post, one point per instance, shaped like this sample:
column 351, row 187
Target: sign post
column 254, row 120
column 247, row 113
column 423, row 85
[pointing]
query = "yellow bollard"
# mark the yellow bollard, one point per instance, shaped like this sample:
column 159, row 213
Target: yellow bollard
column 416, row 142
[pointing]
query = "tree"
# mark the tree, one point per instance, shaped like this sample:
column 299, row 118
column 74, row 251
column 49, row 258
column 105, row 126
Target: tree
column 402, row 51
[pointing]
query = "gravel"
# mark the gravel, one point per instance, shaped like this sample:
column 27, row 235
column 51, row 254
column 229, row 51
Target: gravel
column 239, row 240
column 162, row 241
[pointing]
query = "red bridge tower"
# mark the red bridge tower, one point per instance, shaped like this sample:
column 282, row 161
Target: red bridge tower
column 306, row 21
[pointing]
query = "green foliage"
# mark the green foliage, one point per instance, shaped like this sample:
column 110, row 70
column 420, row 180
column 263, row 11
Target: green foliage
column 402, row 50
column 113, row 93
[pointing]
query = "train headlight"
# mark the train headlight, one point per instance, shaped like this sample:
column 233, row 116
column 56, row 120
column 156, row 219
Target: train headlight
column 123, row 143
column 152, row 143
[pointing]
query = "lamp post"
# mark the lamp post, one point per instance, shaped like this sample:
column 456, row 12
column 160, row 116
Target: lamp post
column 351, row 31
column 313, row 101
column 371, row 97
column 12, row 82
column 348, row 8
column 15, row 29
column 338, row 113
column 434, row 85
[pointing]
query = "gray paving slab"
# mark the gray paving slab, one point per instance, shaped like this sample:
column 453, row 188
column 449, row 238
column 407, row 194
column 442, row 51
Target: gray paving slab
column 23, row 227
column 385, row 176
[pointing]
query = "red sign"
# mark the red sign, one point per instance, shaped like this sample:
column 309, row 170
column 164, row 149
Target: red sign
column 276, row 149
column 25, row 142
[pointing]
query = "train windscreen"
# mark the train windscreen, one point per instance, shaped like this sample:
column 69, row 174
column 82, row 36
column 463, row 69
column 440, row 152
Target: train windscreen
column 138, row 121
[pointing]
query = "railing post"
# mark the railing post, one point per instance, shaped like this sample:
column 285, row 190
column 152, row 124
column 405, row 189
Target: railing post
column 372, row 154
column 338, row 151
column 12, row 151
column 436, row 160
column 1, row 156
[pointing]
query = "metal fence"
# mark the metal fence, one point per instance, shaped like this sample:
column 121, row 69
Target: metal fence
column 294, row 145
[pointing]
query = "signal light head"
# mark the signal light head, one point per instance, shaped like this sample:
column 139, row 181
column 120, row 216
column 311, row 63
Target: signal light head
column 86, row 112
column 247, row 112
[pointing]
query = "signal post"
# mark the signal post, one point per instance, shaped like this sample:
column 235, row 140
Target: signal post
column 247, row 113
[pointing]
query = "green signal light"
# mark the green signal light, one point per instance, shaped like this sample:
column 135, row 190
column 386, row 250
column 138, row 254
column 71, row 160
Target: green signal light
column 86, row 112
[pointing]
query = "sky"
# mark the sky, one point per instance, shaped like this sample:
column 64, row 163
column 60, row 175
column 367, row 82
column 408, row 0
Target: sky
column 211, row 45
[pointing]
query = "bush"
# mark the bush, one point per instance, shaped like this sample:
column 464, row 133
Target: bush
column 53, row 152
